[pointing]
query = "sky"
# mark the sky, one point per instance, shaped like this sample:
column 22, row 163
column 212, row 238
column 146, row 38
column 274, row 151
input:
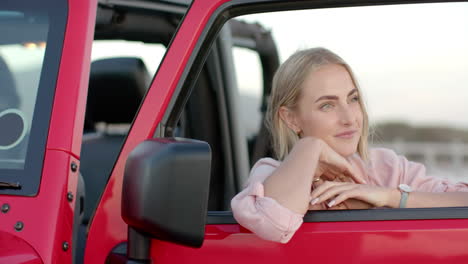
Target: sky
column 410, row 60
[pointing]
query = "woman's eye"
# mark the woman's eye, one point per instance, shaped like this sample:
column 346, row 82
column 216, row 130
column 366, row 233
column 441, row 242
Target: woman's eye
column 326, row 106
column 355, row 99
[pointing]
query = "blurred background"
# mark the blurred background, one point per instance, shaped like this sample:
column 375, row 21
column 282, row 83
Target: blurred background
column 410, row 61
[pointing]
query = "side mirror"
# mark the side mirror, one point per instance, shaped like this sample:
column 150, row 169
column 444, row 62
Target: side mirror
column 165, row 190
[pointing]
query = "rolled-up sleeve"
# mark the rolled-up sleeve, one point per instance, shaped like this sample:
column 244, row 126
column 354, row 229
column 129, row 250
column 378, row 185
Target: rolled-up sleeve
column 262, row 215
column 415, row 175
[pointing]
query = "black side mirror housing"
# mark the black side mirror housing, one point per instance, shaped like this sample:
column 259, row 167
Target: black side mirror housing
column 165, row 190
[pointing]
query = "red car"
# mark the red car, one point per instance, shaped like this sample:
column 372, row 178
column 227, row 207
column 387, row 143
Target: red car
column 161, row 192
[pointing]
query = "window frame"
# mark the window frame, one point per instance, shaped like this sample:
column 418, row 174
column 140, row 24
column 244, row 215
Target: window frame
column 197, row 59
column 29, row 178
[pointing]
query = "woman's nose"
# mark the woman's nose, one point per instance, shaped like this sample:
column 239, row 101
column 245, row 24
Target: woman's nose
column 346, row 115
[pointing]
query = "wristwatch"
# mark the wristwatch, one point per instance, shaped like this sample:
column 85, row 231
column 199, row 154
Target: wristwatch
column 405, row 190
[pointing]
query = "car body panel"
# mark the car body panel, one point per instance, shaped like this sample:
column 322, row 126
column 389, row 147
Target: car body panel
column 66, row 125
column 15, row 250
column 108, row 229
column 350, row 242
column 47, row 218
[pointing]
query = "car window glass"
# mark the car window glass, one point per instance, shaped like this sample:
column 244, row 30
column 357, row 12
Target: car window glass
column 21, row 62
column 30, row 49
column 249, row 80
column 150, row 53
column 122, row 51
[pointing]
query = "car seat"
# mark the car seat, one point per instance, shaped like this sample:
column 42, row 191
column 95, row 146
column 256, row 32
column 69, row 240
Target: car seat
column 116, row 88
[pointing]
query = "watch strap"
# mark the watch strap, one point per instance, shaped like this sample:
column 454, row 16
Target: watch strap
column 404, row 198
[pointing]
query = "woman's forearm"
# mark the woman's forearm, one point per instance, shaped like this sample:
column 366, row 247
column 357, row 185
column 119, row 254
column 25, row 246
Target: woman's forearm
column 290, row 184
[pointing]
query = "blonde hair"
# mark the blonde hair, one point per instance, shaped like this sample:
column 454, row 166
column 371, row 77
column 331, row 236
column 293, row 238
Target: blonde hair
column 286, row 90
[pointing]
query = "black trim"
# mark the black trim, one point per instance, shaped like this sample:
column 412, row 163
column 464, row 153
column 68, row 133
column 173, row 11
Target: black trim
column 218, row 81
column 243, row 7
column 225, row 217
column 220, row 218
column 202, row 123
column 178, row 164
column 191, row 72
column 30, row 176
column 171, row 8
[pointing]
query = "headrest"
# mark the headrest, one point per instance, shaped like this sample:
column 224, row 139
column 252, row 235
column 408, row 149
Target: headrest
column 116, row 89
column 8, row 96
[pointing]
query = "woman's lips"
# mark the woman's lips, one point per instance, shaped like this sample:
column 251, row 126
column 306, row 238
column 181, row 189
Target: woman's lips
column 346, row 134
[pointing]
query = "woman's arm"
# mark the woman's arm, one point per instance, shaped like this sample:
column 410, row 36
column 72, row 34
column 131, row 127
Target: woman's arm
column 278, row 194
column 389, row 170
column 290, row 184
column 338, row 192
column 256, row 210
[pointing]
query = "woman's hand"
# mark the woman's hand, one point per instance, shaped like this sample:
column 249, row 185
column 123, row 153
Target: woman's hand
column 346, row 205
column 332, row 165
column 349, row 204
column 336, row 193
column 291, row 183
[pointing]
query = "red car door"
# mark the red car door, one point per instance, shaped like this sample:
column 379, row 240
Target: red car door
column 432, row 235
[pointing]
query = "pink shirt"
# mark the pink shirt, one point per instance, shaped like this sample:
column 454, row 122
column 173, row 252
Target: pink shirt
column 272, row 221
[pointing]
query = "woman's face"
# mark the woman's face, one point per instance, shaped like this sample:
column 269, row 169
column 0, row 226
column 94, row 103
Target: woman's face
column 329, row 108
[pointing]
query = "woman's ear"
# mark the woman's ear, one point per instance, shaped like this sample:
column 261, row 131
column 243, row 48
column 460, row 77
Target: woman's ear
column 289, row 117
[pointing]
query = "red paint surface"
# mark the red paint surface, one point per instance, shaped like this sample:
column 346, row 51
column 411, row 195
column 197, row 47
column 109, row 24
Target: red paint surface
column 48, row 217
column 427, row 241
column 108, row 229
column 15, row 250
column 66, row 126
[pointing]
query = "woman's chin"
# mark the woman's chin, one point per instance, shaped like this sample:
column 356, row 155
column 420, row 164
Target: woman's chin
column 345, row 149
column 346, row 152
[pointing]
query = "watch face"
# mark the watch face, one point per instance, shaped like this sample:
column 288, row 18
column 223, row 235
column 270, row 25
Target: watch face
column 404, row 188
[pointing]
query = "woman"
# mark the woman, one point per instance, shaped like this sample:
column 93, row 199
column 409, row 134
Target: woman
column 320, row 129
